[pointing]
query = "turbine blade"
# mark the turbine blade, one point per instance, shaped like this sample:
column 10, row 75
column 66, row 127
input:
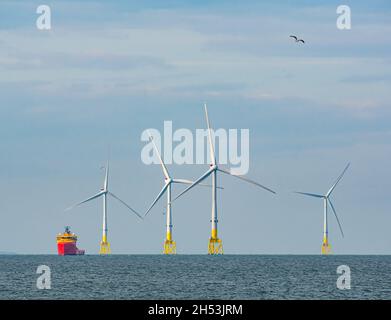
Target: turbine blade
column 157, row 198
column 106, row 183
column 203, row 177
column 310, row 194
column 209, row 185
column 247, row 180
column 335, row 213
column 212, row 153
column 86, row 200
column 125, row 204
column 165, row 171
column 336, row 182
column 184, row 181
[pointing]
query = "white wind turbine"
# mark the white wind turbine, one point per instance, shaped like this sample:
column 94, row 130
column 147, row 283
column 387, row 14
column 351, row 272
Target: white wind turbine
column 104, row 192
column 215, row 244
column 326, row 249
column 169, row 244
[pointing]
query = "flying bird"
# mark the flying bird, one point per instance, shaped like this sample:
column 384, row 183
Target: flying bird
column 296, row 39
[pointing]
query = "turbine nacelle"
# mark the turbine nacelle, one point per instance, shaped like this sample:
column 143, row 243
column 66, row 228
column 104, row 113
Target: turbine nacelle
column 213, row 167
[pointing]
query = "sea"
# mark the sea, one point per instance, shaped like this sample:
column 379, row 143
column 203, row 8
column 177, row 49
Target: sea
column 195, row 277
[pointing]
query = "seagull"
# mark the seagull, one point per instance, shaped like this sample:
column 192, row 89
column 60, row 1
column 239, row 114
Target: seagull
column 296, row 39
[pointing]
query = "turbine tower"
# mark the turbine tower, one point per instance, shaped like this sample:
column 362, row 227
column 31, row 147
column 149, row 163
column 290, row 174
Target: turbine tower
column 104, row 193
column 215, row 245
column 326, row 248
column 169, row 245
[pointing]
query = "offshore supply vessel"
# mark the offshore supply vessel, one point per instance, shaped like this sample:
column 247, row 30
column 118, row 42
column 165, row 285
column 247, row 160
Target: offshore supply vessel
column 66, row 243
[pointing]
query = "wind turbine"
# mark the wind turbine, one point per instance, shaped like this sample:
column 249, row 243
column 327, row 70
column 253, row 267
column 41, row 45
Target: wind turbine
column 104, row 192
column 326, row 249
column 169, row 244
column 215, row 245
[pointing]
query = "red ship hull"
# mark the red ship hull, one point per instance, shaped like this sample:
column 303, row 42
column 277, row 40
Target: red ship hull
column 68, row 248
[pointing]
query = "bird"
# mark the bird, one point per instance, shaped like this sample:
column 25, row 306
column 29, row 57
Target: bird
column 296, row 39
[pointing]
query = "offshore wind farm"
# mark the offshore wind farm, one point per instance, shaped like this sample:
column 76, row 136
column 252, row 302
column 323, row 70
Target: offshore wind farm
column 215, row 246
column 249, row 150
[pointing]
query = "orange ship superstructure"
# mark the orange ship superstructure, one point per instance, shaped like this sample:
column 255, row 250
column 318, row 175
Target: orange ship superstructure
column 66, row 243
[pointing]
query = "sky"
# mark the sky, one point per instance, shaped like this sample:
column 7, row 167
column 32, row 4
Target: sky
column 106, row 71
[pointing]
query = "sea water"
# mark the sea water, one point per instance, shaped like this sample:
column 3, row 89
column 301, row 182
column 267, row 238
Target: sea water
column 195, row 277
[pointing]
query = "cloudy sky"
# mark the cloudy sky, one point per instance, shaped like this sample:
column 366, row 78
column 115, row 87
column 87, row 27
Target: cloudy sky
column 105, row 72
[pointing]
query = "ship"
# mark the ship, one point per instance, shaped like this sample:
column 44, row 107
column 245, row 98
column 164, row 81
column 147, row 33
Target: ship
column 66, row 243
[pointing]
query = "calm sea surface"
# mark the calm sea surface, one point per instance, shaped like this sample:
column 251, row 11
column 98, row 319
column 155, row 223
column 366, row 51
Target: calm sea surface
column 195, row 277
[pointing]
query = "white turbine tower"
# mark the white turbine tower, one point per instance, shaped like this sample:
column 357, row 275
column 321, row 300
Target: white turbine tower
column 326, row 249
column 169, row 244
column 104, row 192
column 215, row 245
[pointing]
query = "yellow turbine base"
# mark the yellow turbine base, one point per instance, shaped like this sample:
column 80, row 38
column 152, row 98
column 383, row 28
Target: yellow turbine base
column 104, row 247
column 169, row 247
column 215, row 246
column 326, row 248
